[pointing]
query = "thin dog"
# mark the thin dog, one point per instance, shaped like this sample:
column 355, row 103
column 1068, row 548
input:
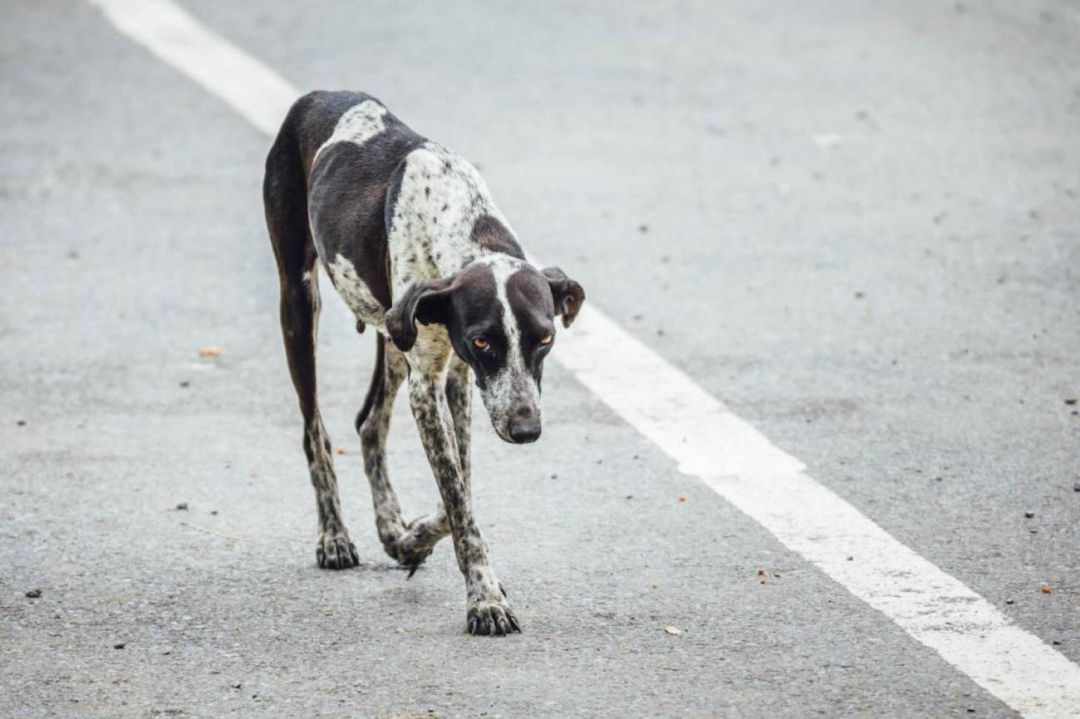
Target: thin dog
column 413, row 243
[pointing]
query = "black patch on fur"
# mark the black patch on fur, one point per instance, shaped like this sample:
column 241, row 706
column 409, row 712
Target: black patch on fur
column 492, row 235
column 567, row 294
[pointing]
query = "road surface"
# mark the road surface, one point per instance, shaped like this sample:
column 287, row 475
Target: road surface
column 857, row 226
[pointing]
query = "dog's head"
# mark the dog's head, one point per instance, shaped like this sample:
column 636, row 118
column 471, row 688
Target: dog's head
column 499, row 313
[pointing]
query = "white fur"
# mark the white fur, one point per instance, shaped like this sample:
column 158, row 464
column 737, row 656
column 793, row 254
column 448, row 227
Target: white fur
column 357, row 125
column 426, row 241
column 355, row 292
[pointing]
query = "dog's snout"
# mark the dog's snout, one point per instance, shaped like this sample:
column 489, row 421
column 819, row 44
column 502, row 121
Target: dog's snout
column 524, row 425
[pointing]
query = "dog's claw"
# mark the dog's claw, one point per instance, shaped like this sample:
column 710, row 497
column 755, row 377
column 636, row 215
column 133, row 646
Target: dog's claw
column 336, row 553
column 492, row 619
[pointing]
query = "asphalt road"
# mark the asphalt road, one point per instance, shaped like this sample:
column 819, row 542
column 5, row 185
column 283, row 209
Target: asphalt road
column 857, row 225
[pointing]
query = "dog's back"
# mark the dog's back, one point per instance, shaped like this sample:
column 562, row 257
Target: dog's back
column 338, row 155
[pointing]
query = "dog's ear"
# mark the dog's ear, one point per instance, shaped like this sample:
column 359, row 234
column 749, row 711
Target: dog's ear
column 567, row 293
column 425, row 302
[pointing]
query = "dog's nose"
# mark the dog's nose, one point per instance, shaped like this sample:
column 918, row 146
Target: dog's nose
column 524, row 425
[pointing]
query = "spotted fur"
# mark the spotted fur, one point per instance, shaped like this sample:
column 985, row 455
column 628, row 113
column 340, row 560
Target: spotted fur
column 415, row 246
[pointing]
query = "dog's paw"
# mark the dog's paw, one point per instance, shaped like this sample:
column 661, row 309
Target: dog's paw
column 336, row 552
column 411, row 557
column 416, row 544
column 492, row 618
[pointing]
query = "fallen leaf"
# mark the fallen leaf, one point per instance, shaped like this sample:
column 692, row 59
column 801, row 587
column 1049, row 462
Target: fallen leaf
column 682, row 498
column 341, row 450
column 672, row 630
column 209, row 351
column 1045, row 589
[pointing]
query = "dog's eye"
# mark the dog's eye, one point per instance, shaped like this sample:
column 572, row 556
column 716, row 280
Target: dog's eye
column 547, row 340
column 480, row 343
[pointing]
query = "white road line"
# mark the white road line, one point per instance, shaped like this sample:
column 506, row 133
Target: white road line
column 699, row 433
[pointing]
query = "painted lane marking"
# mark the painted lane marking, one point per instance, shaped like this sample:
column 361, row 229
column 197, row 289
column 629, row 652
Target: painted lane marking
column 700, row 434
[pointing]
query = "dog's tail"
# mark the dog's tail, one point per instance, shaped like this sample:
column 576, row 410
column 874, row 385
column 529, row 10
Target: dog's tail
column 376, row 385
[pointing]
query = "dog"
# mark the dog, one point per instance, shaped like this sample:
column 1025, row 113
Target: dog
column 414, row 245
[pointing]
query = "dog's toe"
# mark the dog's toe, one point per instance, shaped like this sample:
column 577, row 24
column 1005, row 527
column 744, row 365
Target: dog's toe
column 336, row 553
column 411, row 556
column 492, row 619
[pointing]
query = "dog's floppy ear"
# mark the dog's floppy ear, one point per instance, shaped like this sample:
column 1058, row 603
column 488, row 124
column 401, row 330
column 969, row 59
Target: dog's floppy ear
column 424, row 302
column 567, row 293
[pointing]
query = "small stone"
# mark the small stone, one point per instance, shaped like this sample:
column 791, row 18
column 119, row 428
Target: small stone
column 1070, row 400
column 1056, row 643
column 643, row 228
column 182, row 507
column 859, row 295
column 119, row 645
column 34, row 593
column 185, row 384
column 672, row 630
column 682, row 499
column 237, row 685
column 1076, row 487
column 1046, row 589
column 1010, row 601
column 213, row 512
column 20, row 422
column 1029, row 515
column 851, row 559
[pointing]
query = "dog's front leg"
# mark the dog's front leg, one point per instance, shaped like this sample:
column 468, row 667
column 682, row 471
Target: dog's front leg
column 488, row 611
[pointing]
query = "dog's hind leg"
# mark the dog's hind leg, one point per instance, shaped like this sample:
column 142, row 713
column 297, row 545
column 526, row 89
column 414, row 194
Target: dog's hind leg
column 373, row 425
column 409, row 543
column 284, row 195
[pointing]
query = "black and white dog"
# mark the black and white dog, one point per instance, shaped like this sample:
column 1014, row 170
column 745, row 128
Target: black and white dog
column 416, row 248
